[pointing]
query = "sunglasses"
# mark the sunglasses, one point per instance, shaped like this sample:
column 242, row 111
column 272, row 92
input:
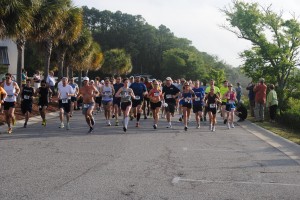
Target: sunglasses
column 7, row 77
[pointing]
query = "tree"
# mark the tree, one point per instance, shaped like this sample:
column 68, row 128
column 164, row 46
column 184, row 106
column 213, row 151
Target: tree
column 48, row 25
column 275, row 43
column 16, row 18
column 117, row 61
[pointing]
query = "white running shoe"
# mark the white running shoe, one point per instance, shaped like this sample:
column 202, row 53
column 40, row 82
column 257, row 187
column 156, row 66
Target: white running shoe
column 198, row 126
column 62, row 125
column 232, row 125
column 228, row 125
column 169, row 126
column 214, row 129
column 68, row 126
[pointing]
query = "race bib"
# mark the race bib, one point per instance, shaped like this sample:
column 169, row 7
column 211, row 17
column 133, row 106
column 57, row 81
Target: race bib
column 64, row 100
column 197, row 99
column 212, row 105
column 156, row 94
column 137, row 98
column 169, row 96
column 187, row 100
column 26, row 97
column 10, row 96
column 85, row 105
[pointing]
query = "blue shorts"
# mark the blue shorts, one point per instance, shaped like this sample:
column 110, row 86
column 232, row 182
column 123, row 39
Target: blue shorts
column 86, row 106
column 230, row 106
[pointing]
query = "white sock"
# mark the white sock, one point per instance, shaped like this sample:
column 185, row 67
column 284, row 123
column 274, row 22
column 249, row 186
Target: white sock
column 126, row 120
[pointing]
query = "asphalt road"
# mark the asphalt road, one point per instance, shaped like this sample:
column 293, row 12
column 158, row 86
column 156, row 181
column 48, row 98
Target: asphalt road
column 241, row 163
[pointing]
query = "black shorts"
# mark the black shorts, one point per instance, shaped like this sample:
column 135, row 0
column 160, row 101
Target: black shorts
column 223, row 103
column 26, row 107
column 73, row 99
column 197, row 108
column 213, row 110
column 65, row 106
column 98, row 100
column 147, row 99
column 170, row 108
column 155, row 105
column 8, row 105
column 135, row 102
column 187, row 105
column 125, row 104
column 117, row 101
column 41, row 104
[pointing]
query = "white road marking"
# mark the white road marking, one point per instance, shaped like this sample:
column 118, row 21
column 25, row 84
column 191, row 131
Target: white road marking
column 176, row 180
column 221, row 150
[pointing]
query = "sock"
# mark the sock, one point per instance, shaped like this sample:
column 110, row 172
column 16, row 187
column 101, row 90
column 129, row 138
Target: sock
column 126, row 120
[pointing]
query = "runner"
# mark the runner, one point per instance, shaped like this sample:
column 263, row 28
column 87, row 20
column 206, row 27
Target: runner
column 98, row 99
column 146, row 105
column 117, row 100
column 107, row 92
column 74, row 97
column 43, row 92
column 12, row 89
column 170, row 92
column 3, row 95
column 155, row 97
column 88, row 92
column 64, row 95
column 223, row 91
column 187, row 98
column 198, row 102
column 26, row 104
column 207, row 90
column 126, row 94
column 212, row 99
column 230, row 106
column 140, row 90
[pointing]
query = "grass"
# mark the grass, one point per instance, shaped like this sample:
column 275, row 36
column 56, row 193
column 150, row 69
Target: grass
column 279, row 129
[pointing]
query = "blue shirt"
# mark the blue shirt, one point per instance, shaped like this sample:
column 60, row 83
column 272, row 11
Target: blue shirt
column 199, row 96
column 138, row 89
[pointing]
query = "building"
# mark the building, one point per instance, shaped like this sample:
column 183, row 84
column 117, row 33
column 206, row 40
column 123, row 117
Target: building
column 8, row 57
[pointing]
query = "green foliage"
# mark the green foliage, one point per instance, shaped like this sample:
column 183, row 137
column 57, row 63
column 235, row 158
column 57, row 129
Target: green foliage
column 291, row 116
column 117, row 61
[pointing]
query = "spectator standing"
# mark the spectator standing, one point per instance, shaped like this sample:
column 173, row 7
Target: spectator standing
column 238, row 91
column 37, row 79
column 272, row 102
column 51, row 81
column 260, row 90
column 251, row 96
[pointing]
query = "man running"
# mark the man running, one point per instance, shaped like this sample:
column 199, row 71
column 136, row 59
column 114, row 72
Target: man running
column 26, row 104
column 117, row 100
column 139, row 90
column 12, row 89
column 88, row 92
column 198, row 102
column 43, row 92
column 170, row 92
column 65, row 91
column 74, row 97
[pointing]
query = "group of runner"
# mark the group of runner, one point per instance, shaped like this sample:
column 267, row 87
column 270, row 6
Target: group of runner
column 132, row 96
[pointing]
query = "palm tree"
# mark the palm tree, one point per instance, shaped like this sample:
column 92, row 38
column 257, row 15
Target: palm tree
column 16, row 18
column 48, row 24
column 70, row 33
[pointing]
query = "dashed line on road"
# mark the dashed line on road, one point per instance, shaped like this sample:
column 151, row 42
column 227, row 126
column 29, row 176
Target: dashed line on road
column 176, row 180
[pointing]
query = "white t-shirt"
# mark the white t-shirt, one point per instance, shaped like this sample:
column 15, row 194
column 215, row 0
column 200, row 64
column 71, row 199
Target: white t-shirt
column 64, row 90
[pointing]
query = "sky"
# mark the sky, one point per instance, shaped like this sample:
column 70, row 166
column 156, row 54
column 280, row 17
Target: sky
column 196, row 20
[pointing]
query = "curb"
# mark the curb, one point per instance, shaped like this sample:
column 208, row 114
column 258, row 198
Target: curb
column 32, row 120
column 289, row 148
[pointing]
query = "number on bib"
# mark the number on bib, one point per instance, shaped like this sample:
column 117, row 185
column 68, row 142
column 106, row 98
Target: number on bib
column 64, row 100
column 169, row 96
column 212, row 105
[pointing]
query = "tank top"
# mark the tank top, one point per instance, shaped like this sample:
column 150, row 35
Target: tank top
column 187, row 97
column 27, row 94
column 211, row 101
column 107, row 93
column 125, row 95
column 10, row 90
column 43, row 92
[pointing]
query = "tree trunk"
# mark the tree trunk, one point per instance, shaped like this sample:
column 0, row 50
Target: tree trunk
column 20, row 46
column 61, row 64
column 71, row 73
column 79, row 78
column 66, row 71
column 49, row 46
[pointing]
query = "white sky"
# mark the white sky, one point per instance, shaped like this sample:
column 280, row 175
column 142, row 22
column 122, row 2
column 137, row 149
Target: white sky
column 196, row 20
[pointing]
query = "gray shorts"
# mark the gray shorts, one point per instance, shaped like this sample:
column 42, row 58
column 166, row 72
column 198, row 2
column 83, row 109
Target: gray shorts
column 86, row 106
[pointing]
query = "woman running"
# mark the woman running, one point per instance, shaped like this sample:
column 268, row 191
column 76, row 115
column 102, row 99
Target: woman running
column 155, row 96
column 212, row 100
column 126, row 95
column 186, row 103
column 230, row 95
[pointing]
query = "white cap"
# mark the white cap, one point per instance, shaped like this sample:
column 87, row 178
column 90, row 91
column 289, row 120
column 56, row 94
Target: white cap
column 86, row 78
column 169, row 79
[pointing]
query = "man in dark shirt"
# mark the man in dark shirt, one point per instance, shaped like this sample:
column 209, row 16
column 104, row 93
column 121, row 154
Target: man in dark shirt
column 170, row 93
column 26, row 104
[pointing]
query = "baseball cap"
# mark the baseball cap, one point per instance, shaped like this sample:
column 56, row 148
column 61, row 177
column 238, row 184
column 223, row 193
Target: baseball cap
column 86, row 78
column 168, row 78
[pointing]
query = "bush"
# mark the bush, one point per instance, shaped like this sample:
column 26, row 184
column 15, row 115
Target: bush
column 291, row 116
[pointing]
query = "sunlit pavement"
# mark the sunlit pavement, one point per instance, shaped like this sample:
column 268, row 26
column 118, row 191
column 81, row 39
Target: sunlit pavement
column 245, row 162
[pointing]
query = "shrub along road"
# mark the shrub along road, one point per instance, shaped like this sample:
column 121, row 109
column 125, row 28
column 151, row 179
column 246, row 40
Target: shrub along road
column 241, row 163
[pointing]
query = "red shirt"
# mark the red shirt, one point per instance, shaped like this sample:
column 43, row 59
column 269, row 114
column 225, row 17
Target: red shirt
column 260, row 93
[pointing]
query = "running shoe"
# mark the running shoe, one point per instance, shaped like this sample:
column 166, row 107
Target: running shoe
column 117, row 123
column 225, row 121
column 198, row 126
column 169, row 126
column 108, row 124
column 9, row 131
column 91, row 130
column 228, row 125
column 25, row 124
column 214, row 129
column 180, row 119
column 68, row 126
column 124, row 129
column 137, row 124
column 185, row 128
column 155, row 126
column 62, row 125
column 113, row 116
column 232, row 125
